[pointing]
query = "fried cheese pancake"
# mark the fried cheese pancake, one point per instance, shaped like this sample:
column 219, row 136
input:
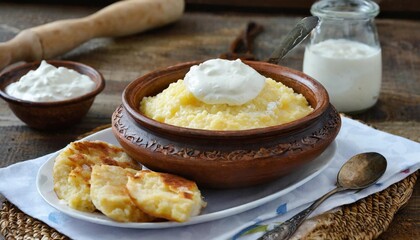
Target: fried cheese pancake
column 110, row 196
column 73, row 166
column 165, row 195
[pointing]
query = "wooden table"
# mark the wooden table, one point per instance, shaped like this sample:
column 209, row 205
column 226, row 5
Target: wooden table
column 204, row 35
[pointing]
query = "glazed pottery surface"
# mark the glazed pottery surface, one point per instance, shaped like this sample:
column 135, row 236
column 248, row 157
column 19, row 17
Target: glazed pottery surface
column 225, row 159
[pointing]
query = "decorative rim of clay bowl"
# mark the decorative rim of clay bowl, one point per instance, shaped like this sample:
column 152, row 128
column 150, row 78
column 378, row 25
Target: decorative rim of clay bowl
column 313, row 91
column 17, row 72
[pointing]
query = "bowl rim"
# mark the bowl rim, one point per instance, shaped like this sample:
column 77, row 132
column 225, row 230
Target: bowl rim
column 99, row 83
column 152, row 124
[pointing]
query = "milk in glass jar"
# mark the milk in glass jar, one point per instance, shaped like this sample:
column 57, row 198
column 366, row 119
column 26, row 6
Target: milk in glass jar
column 344, row 53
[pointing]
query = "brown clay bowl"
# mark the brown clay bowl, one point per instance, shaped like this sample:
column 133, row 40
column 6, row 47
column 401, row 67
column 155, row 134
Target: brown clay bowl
column 51, row 115
column 226, row 159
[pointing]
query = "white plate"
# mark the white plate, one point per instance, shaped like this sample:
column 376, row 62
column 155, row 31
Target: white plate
column 220, row 203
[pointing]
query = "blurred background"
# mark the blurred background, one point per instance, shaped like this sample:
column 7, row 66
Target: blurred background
column 389, row 8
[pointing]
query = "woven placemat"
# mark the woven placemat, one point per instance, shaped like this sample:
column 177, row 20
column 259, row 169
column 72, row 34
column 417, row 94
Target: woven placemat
column 364, row 219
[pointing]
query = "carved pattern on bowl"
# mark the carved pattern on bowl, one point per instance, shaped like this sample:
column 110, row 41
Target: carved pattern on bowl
column 297, row 145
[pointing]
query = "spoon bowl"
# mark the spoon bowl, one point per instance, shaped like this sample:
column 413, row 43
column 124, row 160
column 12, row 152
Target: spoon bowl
column 360, row 171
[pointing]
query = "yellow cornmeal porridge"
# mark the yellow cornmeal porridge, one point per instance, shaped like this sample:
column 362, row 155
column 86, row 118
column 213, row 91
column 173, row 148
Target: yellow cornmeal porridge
column 276, row 104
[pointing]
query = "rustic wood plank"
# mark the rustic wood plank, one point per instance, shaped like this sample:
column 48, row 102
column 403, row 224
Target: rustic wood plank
column 400, row 8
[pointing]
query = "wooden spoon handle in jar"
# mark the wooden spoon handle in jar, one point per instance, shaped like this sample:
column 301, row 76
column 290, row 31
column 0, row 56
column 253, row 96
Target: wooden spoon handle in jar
column 118, row 19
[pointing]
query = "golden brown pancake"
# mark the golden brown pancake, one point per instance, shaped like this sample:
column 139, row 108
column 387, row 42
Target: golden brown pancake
column 73, row 166
column 110, row 196
column 165, row 195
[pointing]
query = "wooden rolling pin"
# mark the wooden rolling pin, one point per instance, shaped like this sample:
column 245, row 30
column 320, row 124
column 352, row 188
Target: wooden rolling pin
column 118, row 19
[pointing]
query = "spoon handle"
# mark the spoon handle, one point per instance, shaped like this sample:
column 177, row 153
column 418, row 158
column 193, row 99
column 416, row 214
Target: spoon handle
column 293, row 38
column 286, row 229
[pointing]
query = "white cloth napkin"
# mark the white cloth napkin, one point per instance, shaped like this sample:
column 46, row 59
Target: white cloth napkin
column 17, row 184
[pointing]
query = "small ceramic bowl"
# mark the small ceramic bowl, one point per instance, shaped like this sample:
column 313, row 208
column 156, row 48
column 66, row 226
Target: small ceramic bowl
column 226, row 159
column 51, row 115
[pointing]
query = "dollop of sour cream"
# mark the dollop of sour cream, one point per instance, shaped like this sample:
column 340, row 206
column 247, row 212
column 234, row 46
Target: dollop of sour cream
column 48, row 83
column 219, row 81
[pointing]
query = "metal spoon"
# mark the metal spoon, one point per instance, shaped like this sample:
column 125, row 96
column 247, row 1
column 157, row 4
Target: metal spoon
column 358, row 172
column 293, row 38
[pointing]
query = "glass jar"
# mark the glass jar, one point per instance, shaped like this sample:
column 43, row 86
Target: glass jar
column 344, row 53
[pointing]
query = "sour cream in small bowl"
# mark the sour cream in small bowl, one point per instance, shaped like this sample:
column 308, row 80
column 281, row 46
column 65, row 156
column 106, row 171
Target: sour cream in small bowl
column 50, row 94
